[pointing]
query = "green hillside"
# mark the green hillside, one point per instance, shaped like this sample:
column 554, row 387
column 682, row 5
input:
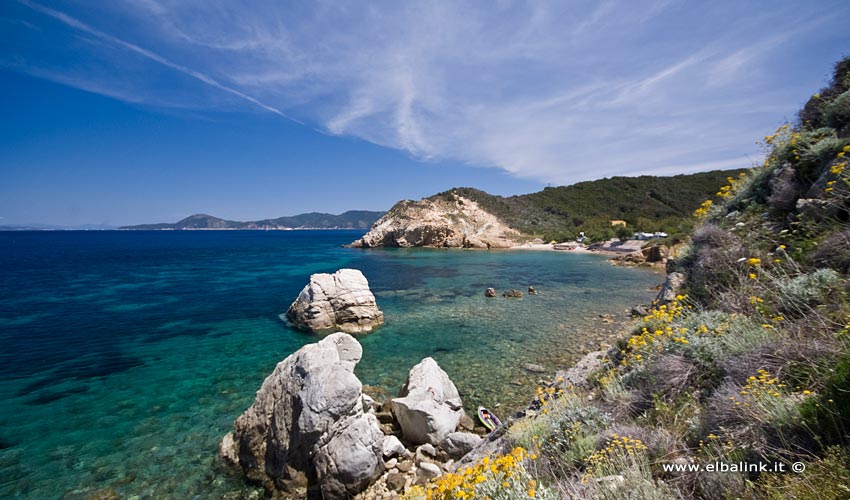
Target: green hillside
column 646, row 203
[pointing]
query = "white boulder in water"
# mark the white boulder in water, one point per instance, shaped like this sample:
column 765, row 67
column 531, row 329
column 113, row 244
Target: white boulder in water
column 340, row 301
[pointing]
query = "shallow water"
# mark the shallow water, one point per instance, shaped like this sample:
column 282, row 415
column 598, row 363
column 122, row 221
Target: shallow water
column 125, row 356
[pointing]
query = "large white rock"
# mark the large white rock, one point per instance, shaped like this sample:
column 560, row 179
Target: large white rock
column 428, row 407
column 307, row 428
column 340, row 301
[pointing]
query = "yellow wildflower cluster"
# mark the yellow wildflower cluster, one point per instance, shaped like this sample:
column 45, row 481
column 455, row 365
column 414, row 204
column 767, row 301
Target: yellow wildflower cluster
column 666, row 313
column 763, row 384
column 647, row 341
column 619, row 452
column 753, row 262
column 503, row 471
column 758, row 387
column 544, row 395
column 659, row 329
column 838, row 168
column 703, row 209
column 729, row 189
column 780, row 134
column 715, row 444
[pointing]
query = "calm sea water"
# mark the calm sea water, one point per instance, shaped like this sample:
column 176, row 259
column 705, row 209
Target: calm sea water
column 125, row 356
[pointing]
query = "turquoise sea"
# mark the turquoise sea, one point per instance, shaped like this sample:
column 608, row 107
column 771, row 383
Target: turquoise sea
column 125, row 356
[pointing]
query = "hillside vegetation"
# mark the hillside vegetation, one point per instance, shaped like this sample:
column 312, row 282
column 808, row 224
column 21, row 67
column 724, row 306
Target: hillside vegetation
column 646, row 203
column 749, row 364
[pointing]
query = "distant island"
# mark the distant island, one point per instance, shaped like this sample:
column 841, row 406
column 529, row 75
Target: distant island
column 353, row 219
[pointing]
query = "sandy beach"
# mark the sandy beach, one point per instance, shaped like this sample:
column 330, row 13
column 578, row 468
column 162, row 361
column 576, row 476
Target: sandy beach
column 551, row 247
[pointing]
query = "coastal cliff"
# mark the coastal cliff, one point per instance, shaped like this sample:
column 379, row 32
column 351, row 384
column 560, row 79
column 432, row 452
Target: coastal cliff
column 446, row 222
column 464, row 217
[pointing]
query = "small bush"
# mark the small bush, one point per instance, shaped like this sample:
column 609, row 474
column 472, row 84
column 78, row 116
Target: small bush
column 824, row 479
column 621, row 470
column 743, row 335
column 828, row 415
column 564, row 432
column 800, row 294
column 712, row 236
column 837, row 112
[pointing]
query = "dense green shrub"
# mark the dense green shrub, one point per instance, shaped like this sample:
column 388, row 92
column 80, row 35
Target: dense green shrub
column 828, row 415
column 837, row 112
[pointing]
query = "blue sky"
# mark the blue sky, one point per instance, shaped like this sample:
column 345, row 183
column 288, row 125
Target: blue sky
column 137, row 111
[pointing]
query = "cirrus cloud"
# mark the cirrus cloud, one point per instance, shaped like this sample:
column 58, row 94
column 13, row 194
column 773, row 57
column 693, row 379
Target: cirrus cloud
column 553, row 91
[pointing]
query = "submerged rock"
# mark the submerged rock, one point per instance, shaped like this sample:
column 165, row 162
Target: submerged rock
column 533, row 368
column 429, row 407
column 336, row 302
column 490, row 292
column 307, row 428
column 515, row 294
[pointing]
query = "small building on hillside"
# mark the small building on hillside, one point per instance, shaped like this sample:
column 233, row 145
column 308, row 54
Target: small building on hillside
column 617, row 223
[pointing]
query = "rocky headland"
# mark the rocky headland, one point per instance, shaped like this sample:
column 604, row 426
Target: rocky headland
column 450, row 222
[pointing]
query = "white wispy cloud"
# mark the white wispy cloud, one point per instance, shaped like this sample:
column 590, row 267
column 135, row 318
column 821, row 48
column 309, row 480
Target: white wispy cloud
column 555, row 91
column 197, row 75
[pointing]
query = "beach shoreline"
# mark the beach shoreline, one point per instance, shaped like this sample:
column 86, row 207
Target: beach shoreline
column 577, row 249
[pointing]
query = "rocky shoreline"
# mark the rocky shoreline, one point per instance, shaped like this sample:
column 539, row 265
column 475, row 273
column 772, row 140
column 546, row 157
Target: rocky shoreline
column 312, row 431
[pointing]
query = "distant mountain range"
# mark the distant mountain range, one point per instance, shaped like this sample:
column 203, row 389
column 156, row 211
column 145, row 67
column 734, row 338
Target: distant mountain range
column 353, row 219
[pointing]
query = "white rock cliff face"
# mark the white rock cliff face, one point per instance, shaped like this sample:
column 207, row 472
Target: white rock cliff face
column 307, row 428
column 336, row 302
column 429, row 407
column 460, row 223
